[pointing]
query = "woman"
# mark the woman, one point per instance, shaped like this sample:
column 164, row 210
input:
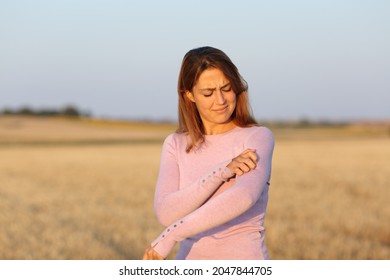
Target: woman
column 212, row 188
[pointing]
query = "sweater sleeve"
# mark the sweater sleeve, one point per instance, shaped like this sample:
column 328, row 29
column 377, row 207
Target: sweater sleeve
column 230, row 203
column 171, row 202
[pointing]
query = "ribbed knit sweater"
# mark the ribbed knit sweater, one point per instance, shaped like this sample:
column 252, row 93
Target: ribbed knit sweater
column 211, row 213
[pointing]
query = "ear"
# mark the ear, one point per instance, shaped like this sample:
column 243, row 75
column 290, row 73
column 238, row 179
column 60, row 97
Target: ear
column 190, row 96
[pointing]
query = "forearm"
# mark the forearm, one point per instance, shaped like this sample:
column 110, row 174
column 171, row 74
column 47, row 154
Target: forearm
column 221, row 209
column 171, row 205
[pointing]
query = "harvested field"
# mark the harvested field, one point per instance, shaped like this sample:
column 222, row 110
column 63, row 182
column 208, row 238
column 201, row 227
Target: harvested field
column 72, row 189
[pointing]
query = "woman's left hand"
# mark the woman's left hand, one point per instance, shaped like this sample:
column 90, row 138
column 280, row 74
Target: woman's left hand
column 151, row 254
column 243, row 163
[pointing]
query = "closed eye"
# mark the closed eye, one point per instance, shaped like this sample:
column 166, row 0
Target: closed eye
column 208, row 93
column 226, row 88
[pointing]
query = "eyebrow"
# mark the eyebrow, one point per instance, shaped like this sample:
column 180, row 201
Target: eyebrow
column 212, row 89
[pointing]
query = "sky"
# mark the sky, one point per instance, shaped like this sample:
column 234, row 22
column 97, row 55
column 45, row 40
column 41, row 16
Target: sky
column 323, row 60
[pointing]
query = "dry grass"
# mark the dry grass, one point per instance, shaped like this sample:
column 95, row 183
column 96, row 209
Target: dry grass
column 328, row 198
column 77, row 202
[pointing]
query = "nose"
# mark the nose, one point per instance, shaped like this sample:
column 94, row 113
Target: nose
column 219, row 98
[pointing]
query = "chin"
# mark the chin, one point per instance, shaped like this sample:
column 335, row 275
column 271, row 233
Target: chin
column 224, row 120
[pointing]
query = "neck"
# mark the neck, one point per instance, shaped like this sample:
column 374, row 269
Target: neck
column 220, row 128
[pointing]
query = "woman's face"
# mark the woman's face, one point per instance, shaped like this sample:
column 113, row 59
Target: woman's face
column 215, row 101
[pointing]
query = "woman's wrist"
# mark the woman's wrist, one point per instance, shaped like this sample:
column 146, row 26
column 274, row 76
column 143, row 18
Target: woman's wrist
column 226, row 174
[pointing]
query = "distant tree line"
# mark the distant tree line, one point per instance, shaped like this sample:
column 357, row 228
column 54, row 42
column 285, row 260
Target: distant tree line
column 305, row 123
column 66, row 111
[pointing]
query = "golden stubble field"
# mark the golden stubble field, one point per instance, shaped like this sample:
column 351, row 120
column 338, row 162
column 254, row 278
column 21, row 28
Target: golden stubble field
column 84, row 189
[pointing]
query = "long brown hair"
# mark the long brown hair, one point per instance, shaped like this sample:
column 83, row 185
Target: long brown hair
column 194, row 63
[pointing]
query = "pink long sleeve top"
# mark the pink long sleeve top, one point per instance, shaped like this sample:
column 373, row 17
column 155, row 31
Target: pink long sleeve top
column 212, row 214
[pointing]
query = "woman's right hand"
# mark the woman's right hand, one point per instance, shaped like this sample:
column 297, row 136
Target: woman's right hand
column 243, row 163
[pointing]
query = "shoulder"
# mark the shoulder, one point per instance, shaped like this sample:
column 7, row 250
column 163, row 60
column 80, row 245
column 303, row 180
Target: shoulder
column 259, row 137
column 259, row 132
column 175, row 140
column 175, row 137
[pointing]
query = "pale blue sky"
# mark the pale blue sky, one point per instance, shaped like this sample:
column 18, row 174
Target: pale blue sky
column 120, row 59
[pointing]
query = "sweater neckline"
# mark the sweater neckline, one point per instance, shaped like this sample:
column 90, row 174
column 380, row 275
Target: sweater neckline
column 213, row 136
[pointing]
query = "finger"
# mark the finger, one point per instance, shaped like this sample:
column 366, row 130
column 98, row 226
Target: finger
column 151, row 254
column 254, row 157
column 244, row 167
column 251, row 155
column 148, row 254
column 245, row 153
column 251, row 163
column 239, row 172
column 156, row 256
column 145, row 256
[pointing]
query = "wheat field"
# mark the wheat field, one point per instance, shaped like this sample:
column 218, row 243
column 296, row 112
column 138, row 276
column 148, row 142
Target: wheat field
column 72, row 189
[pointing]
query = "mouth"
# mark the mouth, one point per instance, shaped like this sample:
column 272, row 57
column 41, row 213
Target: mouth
column 221, row 110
